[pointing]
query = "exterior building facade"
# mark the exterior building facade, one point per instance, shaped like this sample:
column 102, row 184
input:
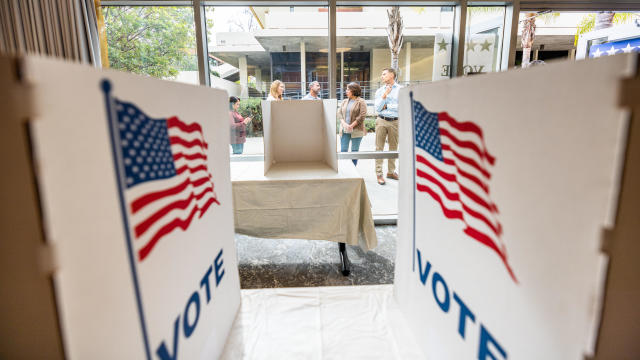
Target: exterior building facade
column 290, row 44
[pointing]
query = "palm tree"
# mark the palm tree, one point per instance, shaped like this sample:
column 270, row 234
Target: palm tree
column 601, row 20
column 528, row 35
column 604, row 19
column 529, row 32
column 394, row 33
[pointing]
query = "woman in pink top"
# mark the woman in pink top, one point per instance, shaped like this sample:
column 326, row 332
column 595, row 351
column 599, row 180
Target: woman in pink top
column 238, row 126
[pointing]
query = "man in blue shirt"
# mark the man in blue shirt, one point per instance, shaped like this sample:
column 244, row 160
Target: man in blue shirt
column 314, row 91
column 386, row 104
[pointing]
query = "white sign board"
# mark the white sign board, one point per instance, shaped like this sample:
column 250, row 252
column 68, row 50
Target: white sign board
column 136, row 196
column 506, row 189
column 298, row 131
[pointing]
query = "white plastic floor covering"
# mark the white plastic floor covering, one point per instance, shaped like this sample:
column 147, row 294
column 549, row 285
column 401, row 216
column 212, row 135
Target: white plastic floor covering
column 341, row 322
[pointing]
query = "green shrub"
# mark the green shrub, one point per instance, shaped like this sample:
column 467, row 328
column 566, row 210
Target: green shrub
column 370, row 123
column 252, row 107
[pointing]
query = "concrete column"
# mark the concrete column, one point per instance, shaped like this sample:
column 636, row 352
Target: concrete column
column 259, row 82
column 242, row 64
column 407, row 62
column 535, row 54
column 572, row 54
column 303, row 68
column 374, row 78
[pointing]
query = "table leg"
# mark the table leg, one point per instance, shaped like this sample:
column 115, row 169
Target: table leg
column 345, row 265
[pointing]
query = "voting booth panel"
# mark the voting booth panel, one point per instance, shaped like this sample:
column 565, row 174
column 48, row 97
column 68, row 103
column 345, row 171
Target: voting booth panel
column 135, row 197
column 507, row 189
column 25, row 278
column 620, row 324
column 299, row 131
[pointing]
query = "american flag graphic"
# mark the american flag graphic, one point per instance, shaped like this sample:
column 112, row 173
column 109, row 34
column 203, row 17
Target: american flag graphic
column 452, row 167
column 616, row 47
column 166, row 179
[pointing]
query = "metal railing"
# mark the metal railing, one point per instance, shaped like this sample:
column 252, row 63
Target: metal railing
column 360, row 155
column 295, row 90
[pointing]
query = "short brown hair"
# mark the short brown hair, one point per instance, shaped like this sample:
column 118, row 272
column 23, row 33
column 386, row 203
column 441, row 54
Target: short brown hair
column 391, row 70
column 355, row 89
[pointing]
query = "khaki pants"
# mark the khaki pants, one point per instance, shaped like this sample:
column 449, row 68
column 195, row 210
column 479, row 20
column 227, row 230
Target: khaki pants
column 386, row 128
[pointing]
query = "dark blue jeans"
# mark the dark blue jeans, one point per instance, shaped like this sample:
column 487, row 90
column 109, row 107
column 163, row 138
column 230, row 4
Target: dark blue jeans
column 355, row 145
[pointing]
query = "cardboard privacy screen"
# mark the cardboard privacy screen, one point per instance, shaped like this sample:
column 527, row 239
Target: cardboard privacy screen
column 299, row 131
column 506, row 191
column 136, row 202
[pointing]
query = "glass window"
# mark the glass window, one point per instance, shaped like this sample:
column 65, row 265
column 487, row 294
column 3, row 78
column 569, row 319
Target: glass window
column 252, row 46
column 318, row 70
column 575, row 35
column 158, row 41
column 484, row 35
column 286, row 67
column 363, row 46
column 363, row 51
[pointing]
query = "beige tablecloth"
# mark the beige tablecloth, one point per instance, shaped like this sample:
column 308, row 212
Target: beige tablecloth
column 302, row 201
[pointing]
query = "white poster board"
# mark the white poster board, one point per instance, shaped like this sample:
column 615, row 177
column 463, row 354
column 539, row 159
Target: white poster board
column 442, row 56
column 299, row 131
column 136, row 199
column 480, row 54
column 517, row 175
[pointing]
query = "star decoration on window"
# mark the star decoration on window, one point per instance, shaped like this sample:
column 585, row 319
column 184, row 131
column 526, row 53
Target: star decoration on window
column 486, row 45
column 471, row 45
column 442, row 45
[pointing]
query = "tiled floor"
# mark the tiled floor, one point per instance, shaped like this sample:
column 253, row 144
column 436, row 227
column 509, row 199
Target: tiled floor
column 268, row 263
